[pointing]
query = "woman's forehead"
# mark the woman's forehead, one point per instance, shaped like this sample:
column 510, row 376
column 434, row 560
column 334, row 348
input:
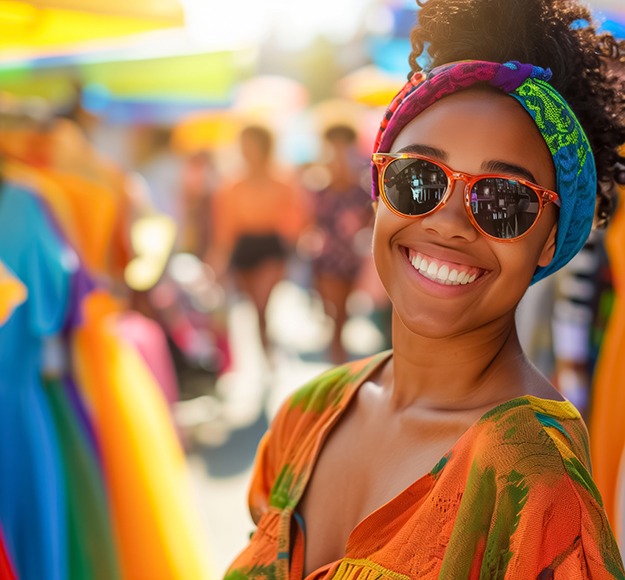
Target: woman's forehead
column 470, row 109
column 475, row 127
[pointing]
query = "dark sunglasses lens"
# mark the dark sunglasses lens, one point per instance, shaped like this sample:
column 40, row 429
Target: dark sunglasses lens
column 504, row 208
column 414, row 186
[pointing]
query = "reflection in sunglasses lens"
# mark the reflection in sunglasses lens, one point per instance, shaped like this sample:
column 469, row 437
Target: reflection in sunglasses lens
column 414, row 186
column 504, row 208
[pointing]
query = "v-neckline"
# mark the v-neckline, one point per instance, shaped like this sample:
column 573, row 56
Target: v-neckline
column 378, row 361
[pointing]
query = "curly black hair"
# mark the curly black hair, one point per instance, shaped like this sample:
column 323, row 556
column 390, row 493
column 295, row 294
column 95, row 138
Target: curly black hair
column 588, row 66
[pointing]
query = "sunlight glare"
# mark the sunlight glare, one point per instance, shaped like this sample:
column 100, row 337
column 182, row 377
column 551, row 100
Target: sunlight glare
column 292, row 24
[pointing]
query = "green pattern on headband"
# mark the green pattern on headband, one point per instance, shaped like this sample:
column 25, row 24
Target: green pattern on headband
column 566, row 132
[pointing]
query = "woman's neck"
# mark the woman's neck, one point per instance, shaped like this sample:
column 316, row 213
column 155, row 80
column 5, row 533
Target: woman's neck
column 470, row 371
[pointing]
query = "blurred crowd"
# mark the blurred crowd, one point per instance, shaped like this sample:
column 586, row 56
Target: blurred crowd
column 246, row 224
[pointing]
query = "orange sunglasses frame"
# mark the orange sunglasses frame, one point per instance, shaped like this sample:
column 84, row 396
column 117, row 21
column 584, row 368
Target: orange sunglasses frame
column 383, row 160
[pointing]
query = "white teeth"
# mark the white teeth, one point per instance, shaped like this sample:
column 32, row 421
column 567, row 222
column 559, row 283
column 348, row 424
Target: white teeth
column 441, row 274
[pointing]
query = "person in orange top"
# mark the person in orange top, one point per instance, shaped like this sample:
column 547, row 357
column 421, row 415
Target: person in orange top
column 256, row 222
column 451, row 456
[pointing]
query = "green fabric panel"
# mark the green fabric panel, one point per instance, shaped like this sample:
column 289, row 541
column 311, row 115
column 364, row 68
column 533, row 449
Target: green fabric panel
column 510, row 502
column 92, row 554
column 472, row 523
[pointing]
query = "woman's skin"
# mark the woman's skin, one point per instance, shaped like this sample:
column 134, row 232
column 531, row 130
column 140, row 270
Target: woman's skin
column 455, row 350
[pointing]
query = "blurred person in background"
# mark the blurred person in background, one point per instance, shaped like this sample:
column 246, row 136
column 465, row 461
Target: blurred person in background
column 159, row 165
column 341, row 210
column 198, row 181
column 256, row 221
column 175, row 187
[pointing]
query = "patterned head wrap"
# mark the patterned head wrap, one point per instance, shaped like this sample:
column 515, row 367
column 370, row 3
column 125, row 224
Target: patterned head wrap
column 572, row 156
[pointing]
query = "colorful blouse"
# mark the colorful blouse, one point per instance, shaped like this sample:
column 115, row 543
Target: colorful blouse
column 512, row 499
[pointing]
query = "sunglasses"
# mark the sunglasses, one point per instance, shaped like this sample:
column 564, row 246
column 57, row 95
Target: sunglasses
column 501, row 208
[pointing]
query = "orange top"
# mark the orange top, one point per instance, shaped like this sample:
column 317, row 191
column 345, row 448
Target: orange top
column 512, row 499
column 88, row 212
column 252, row 207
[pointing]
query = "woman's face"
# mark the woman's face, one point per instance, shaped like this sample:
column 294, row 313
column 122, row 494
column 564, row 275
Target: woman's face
column 475, row 131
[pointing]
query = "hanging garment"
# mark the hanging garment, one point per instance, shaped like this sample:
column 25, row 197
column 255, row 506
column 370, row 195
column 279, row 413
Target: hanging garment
column 32, row 498
column 91, row 550
column 150, row 341
column 158, row 535
column 607, row 428
column 12, row 294
column 86, row 211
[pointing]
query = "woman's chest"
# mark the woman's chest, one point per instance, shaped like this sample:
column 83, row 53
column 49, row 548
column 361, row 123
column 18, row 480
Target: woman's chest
column 356, row 482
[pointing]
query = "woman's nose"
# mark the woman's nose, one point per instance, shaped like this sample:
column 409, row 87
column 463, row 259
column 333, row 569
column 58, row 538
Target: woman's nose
column 451, row 219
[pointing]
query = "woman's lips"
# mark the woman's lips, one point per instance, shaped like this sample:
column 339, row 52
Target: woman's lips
column 442, row 271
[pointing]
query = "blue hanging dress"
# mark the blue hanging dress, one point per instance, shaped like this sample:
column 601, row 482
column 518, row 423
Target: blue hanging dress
column 32, row 502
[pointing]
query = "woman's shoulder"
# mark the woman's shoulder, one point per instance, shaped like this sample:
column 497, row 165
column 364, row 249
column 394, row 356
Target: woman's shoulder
column 320, row 398
column 529, row 475
column 535, row 436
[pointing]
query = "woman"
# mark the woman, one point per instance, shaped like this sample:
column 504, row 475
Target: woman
column 451, row 456
column 256, row 222
column 341, row 211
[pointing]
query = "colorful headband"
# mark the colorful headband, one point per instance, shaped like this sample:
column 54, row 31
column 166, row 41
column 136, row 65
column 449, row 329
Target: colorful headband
column 576, row 175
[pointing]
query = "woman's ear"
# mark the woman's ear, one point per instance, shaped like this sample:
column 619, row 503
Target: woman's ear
column 374, row 205
column 549, row 248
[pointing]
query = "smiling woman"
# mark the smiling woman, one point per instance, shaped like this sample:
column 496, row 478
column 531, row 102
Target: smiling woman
column 451, row 456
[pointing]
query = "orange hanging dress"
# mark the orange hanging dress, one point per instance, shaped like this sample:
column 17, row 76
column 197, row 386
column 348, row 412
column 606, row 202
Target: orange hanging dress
column 158, row 533
column 607, row 427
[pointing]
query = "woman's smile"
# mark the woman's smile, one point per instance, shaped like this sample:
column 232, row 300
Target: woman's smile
column 442, row 271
